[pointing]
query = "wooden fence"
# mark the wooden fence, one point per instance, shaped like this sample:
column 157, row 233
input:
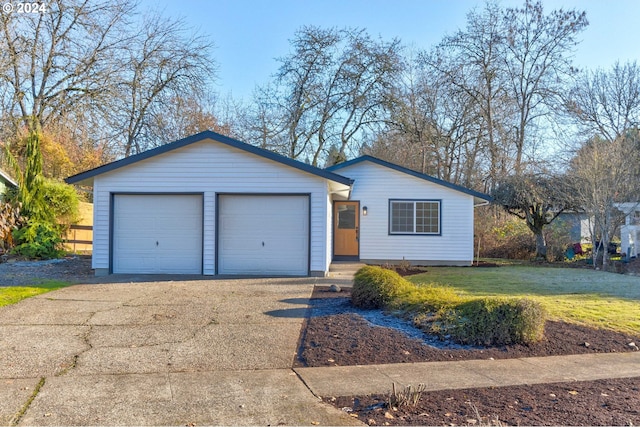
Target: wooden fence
column 79, row 238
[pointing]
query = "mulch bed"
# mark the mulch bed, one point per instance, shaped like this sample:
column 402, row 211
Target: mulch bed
column 343, row 337
column 603, row 403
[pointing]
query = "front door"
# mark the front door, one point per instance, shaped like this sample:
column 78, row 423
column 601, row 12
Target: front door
column 346, row 230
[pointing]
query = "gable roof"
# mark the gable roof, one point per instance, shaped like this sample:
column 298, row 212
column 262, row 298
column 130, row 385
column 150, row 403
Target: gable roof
column 399, row 168
column 323, row 173
column 5, row 177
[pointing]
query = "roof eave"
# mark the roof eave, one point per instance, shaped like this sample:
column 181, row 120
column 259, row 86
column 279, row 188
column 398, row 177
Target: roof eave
column 7, row 178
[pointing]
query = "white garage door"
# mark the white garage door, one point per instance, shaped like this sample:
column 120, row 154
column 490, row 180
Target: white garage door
column 157, row 234
column 264, row 235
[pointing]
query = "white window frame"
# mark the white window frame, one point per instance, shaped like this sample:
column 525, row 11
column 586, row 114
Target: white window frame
column 414, row 202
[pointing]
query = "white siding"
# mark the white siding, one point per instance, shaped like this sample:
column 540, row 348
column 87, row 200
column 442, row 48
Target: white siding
column 209, row 167
column 376, row 184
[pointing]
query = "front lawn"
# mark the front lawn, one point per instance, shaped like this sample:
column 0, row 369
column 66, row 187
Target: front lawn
column 13, row 294
column 587, row 297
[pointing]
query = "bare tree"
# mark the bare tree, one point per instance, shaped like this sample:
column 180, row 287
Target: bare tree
column 538, row 62
column 606, row 103
column 301, row 77
column 331, row 87
column 604, row 173
column 60, row 59
column 188, row 114
column 161, row 63
column 537, row 199
column 486, row 89
column 263, row 123
column 89, row 62
column 430, row 126
column 472, row 60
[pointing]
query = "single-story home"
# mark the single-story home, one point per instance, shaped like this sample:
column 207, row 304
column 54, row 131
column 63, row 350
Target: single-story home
column 209, row 204
column 6, row 182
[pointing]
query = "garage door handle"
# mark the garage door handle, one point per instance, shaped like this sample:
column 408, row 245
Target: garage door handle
column 262, row 244
column 157, row 243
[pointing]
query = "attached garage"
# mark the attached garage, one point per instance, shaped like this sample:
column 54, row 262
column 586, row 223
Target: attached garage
column 263, row 234
column 157, row 233
column 209, row 204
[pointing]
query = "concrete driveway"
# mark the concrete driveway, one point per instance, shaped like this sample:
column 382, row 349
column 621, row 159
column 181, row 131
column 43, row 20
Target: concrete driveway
column 159, row 353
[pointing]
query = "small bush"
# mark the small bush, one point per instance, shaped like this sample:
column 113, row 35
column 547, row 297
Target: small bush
column 38, row 240
column 497, row 321
column 426, row 298
column 376, row 287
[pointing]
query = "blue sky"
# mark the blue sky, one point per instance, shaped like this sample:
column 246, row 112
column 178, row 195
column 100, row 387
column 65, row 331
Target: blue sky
column 250, row 34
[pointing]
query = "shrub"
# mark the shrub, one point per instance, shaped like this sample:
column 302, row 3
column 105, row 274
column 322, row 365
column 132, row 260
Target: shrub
column 427, row 298
column 439, row 310
column 558, row 238
column 38, row 240
column 503, row 236
column 62, row 202
column 497, row 321
column 376, row 287
column 41, row 235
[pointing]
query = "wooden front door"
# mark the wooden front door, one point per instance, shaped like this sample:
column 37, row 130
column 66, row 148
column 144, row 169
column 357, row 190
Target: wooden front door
column 346, row 229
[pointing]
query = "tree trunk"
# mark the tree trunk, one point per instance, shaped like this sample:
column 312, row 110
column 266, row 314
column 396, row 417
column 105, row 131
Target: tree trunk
column 541, row 245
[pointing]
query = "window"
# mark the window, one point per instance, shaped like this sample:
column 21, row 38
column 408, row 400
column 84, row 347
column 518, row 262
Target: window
column 414, row 217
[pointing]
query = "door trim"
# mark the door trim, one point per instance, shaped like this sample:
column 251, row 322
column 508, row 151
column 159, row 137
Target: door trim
column 333, row 232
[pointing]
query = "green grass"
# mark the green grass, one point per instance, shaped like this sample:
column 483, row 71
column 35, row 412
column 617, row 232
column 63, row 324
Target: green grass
column 13, row 294
column 587, row 297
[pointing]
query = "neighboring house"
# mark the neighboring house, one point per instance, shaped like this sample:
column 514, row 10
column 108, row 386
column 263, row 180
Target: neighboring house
column 630, row 231
column 209, row 204
column 577, row 224
column 5, row 183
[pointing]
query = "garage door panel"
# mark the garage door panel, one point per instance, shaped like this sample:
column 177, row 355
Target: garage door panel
column 180, row 265
column 157, row 234
column 131, row 262
column 263, row 234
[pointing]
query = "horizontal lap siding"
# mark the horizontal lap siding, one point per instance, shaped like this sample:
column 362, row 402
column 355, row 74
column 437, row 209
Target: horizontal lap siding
column 209, row 167
column 375, row 185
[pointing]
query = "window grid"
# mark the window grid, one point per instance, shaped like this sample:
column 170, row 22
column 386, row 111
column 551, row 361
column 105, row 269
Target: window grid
column 415, row 217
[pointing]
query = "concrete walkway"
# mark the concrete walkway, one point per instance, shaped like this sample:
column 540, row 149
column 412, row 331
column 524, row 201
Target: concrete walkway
column 378, row 379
